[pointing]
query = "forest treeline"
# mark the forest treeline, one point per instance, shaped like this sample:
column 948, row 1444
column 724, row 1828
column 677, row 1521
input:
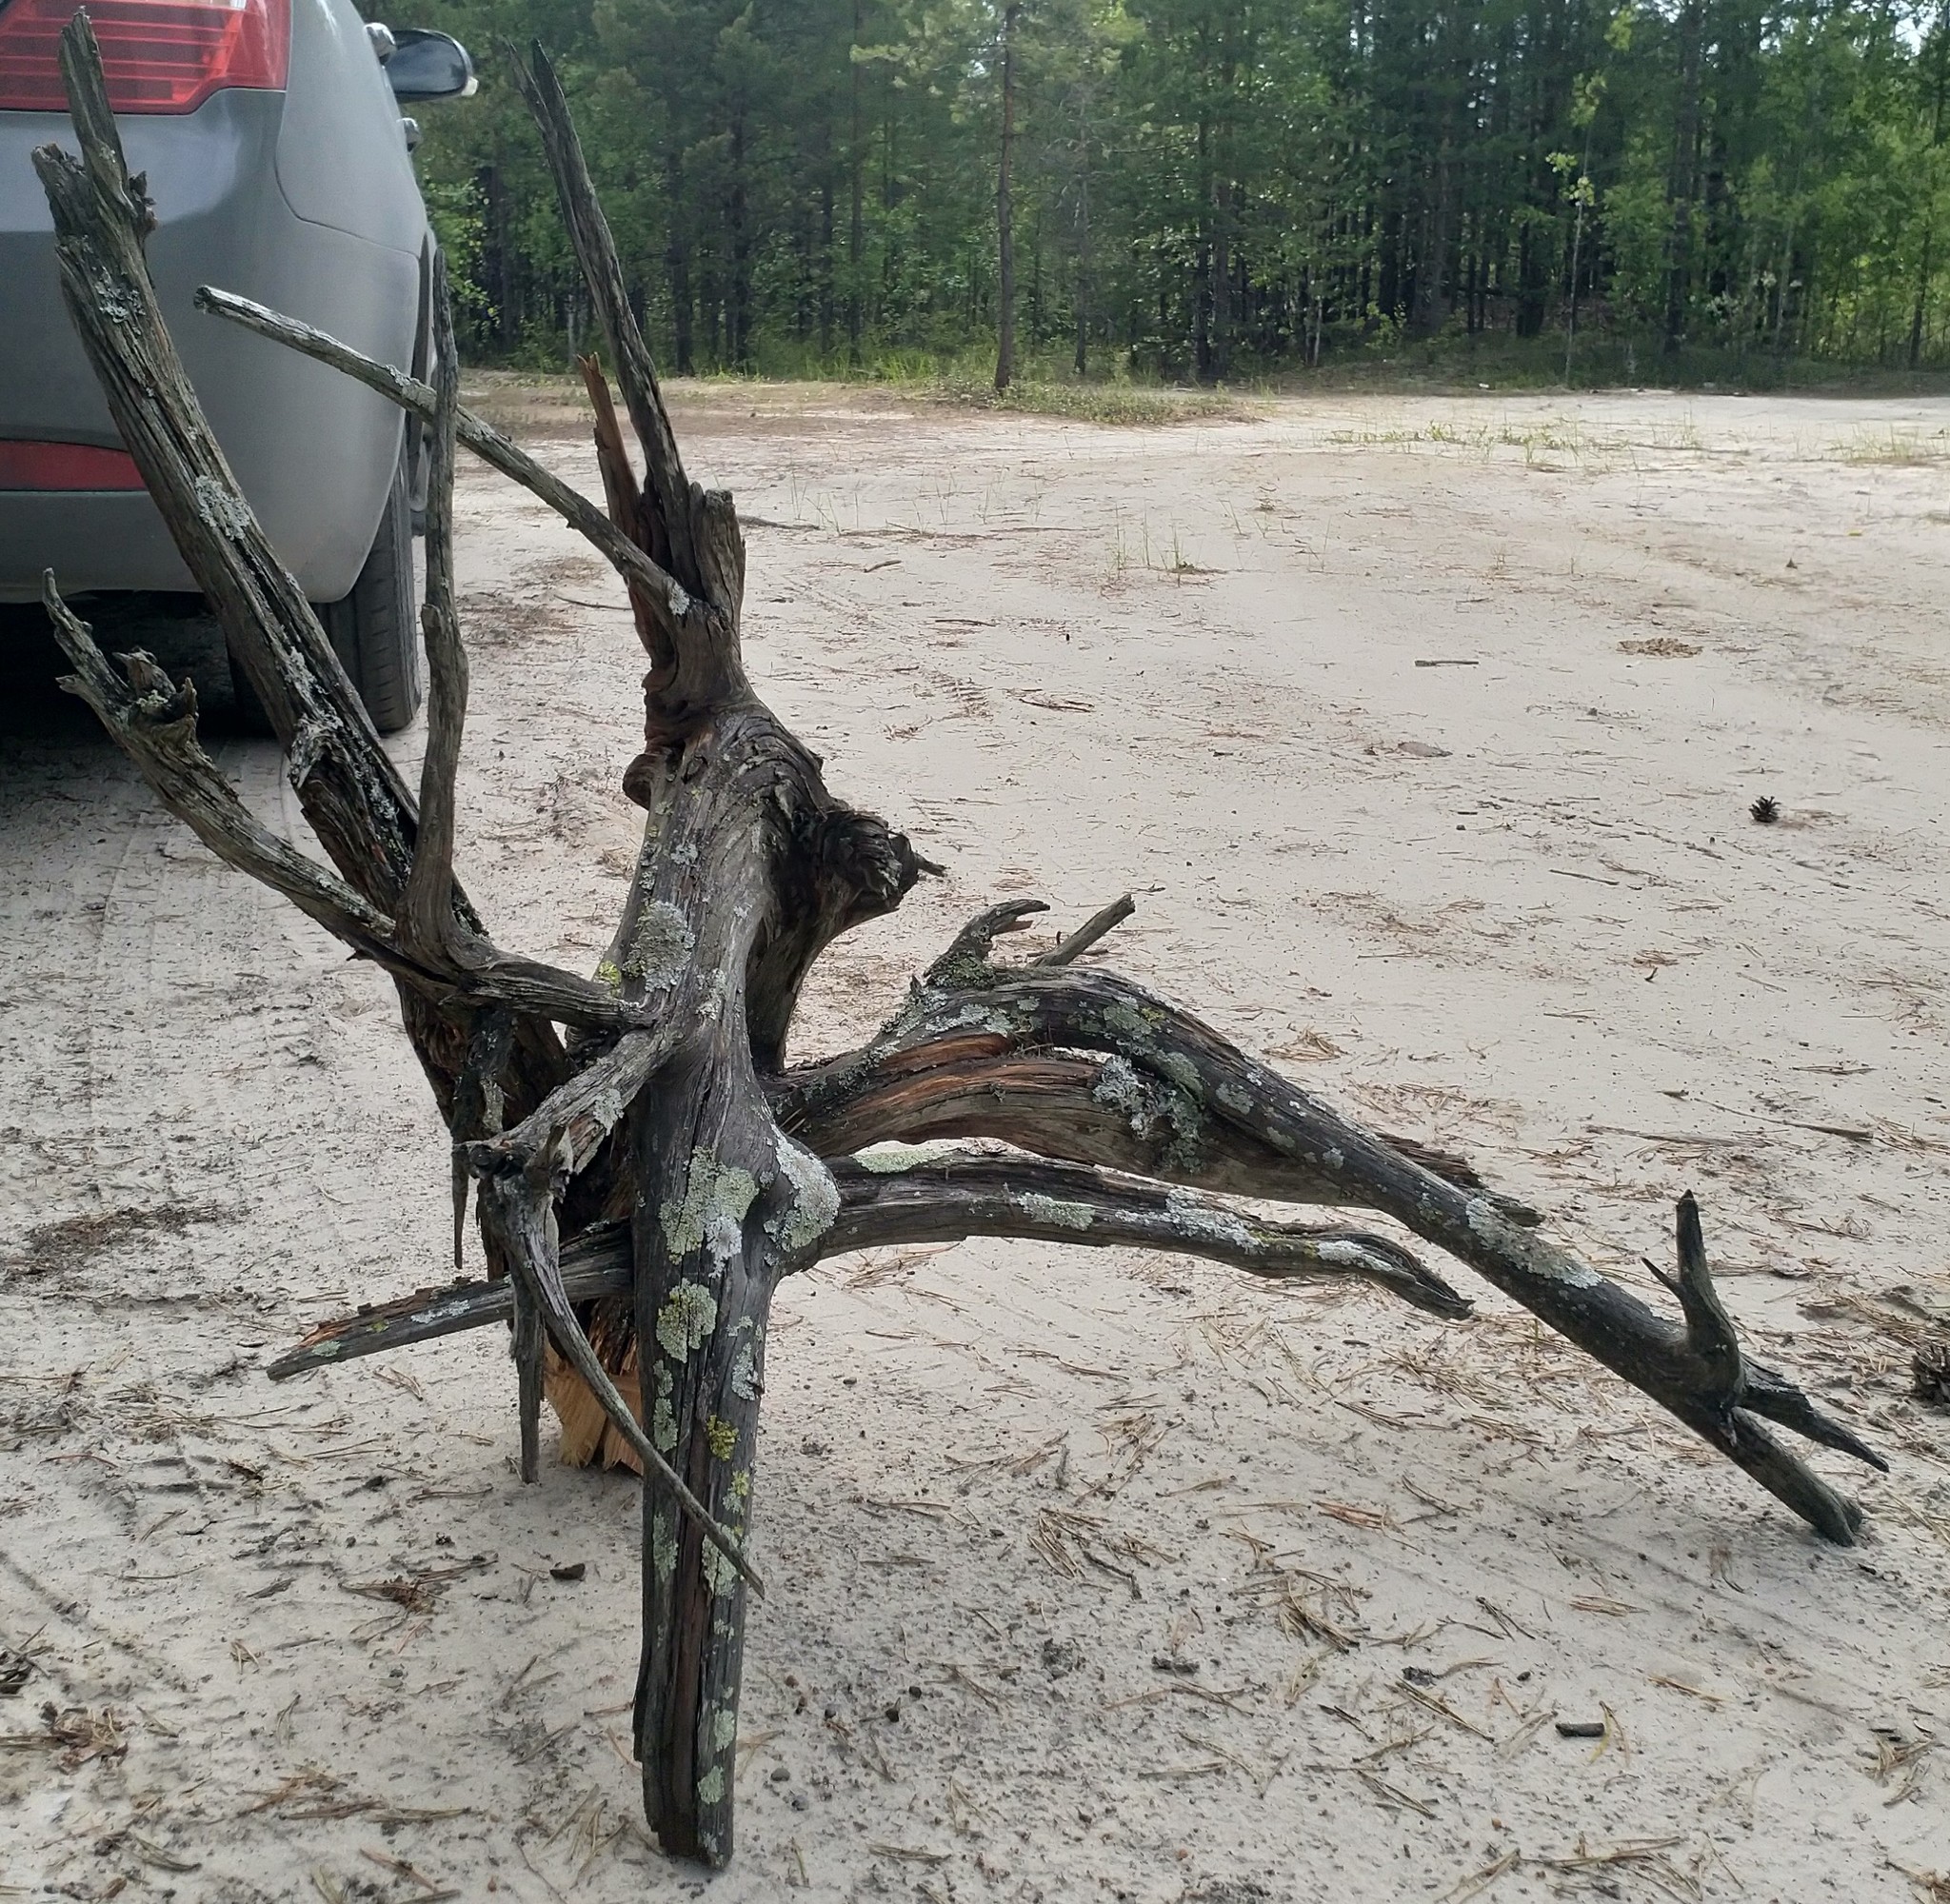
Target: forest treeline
column 1216, row 190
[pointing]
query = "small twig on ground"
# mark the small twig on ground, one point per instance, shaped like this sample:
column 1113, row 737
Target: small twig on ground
column 1087, row 935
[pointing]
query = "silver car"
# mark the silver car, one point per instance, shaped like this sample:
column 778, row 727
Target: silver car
column 278, row 160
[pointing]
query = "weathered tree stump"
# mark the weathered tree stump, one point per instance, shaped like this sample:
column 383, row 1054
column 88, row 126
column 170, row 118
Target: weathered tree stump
column 661, row 1160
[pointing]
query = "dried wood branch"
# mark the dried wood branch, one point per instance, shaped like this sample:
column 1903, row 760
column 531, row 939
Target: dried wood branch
column 473, row 432
column 594, row 1265
column 1181, row 1085
column 885, row 1200
column 1086, row 1109
column 153, row 720
column 427, row 920
column 943, row 1199
column 624, row 498
column 101, row 221
column 1097, row 926
column 673, row 502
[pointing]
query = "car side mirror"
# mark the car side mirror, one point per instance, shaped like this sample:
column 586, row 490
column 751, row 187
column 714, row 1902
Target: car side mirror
column 425, row 64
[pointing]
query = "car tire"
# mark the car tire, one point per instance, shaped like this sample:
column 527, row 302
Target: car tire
column 375, row 629
column 247, row 710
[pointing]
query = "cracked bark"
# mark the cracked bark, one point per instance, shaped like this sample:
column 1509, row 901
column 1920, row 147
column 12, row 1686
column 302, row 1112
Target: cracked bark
column 662, row 1164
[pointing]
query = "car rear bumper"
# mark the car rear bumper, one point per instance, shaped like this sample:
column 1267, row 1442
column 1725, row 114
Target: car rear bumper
column 314, row 452
column 93, row 539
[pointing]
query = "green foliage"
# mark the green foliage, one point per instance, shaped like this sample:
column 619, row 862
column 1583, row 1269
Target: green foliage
column 453, row 209
column 1221, row 190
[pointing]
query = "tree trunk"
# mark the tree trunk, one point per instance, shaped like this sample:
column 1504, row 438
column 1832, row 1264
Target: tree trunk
column 1682, row 180
column 856, row 164
column 666, row 1159
column 1219, row 354
column 501, row 268
column 826, row 256
column 1584, row 194
column 1202, row 286
column 1082, row 310
column 738, row 220
column 1939, row 100
column 677, row 263
column 1431, row 268
column 1427, row 316
column 1920, row 310
column 1005, row 209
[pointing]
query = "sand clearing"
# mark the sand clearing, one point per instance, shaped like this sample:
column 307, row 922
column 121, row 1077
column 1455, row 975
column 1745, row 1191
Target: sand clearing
column 1424, row 733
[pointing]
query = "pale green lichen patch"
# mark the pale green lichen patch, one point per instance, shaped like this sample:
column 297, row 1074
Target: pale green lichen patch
column 1128, row 1021
column 609, row 973
column 961, row 972
column 1234, row 1098
column 1538, row 1257
column 724, row 1728
column 686, row 1320
column 720, row 1575
column 659, row 946
column 1182, row 1072
column 662, row 1421
column 1337, row 1249
column 815, row 1201
column 711, row 1212
column 723, row 1436
column 1055, row 1210
column 664, row 1546
column 1206, row 1223
column 227, row 514
column 1117, row 1085
column 743, row 1376
column 1155, row 1112
column 885, row 1159
column 741, row 1487
column 710, row 1788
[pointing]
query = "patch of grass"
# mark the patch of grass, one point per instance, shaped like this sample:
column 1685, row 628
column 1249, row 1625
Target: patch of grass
column 1902, row 448
column 1046, row 386
column 1546, row 443
column 1460, row 363
column 1131, row 547
column 1547, row 437
column 1553, row 435
column 530, row 401
column 1116, row 404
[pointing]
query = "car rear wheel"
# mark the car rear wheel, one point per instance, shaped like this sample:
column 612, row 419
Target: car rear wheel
column 374, row 630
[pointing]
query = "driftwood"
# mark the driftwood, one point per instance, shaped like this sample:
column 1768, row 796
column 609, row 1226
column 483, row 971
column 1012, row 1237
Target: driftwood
column 637, row 1140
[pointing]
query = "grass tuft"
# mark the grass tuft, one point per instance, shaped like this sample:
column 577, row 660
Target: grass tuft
column 1902, row 448
column 1116, row 404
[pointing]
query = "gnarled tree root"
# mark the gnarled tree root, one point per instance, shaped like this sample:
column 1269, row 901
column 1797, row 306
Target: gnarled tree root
column 659, row 1163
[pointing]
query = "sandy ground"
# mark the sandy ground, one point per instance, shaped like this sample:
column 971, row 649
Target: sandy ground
column 1093, row 1575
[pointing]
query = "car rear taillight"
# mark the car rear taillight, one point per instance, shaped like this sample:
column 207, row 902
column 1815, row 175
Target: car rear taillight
column 159, row 55
column 66, row 465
